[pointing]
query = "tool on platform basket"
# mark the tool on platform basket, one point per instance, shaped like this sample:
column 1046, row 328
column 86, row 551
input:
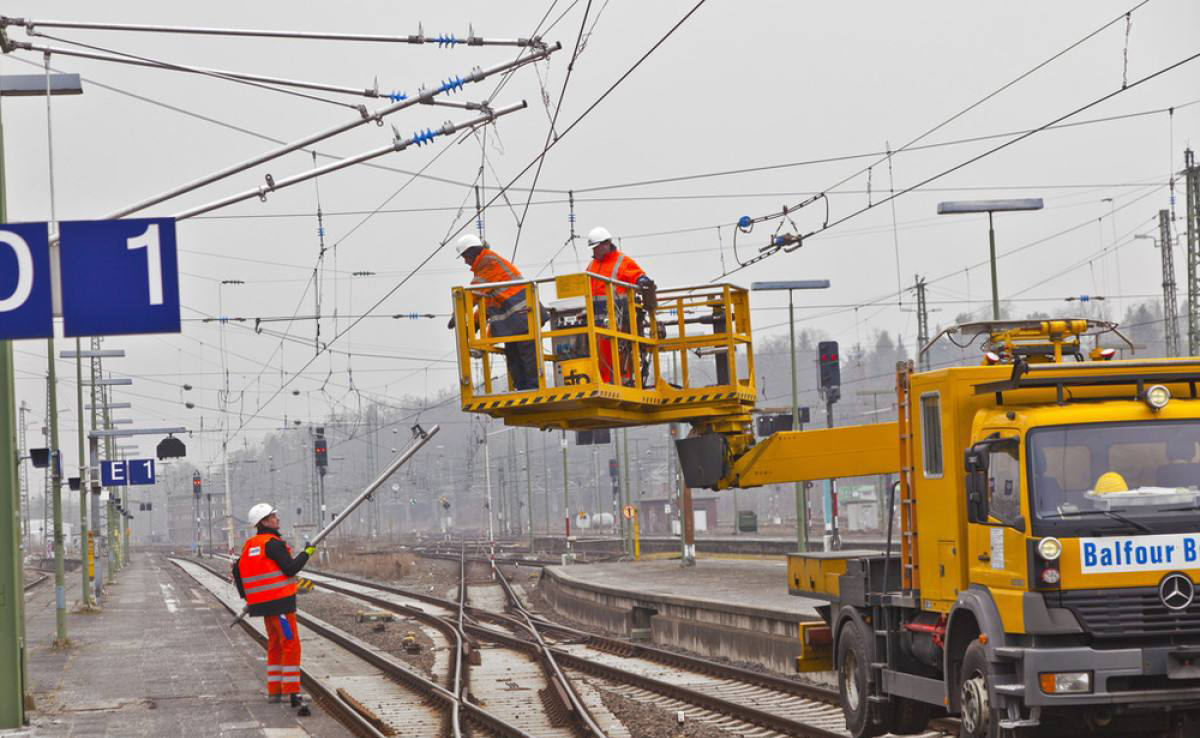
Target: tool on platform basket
column 420, row 438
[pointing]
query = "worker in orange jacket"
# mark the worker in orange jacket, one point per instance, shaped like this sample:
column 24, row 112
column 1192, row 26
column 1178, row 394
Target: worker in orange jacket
column 263, row 575
column 507, row 308
column 607, row 261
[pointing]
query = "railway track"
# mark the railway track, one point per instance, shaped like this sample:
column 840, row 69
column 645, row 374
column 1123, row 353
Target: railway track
column 741, row 701
column 511, row 680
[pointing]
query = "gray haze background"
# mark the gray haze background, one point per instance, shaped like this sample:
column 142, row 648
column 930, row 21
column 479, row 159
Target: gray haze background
column 739, row 85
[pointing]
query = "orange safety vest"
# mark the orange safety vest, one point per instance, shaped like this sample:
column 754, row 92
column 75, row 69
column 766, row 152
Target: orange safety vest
column 262, row 578
column 504, row 301
column 614, row 265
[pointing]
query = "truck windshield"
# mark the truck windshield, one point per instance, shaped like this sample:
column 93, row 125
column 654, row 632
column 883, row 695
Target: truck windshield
column 1115, row 477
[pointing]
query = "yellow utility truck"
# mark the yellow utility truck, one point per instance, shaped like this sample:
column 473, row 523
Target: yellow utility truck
column 1047, row 522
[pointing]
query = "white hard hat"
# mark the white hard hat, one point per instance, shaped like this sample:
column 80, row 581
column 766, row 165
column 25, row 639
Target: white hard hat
column 599, row 234
column 258, row 512
column 467, row 241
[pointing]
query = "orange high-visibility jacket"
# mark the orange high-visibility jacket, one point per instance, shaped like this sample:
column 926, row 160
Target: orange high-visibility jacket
column 614, row 265
column 261, row 576
column 503, row 301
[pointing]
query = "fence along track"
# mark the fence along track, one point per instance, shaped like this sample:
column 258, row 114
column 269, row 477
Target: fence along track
column 371, row 677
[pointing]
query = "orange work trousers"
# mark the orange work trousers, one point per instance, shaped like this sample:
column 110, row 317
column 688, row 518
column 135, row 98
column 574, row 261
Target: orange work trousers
column 283, row 654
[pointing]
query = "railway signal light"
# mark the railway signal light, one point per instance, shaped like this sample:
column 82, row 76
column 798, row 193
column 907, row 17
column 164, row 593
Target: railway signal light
column 321, row 449
column 196, row 484
column 831, row 370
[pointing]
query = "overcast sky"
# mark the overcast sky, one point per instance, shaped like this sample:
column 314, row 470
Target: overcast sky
column 739, row 85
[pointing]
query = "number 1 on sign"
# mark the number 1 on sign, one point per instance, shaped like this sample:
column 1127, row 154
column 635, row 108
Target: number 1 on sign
column 149, row 240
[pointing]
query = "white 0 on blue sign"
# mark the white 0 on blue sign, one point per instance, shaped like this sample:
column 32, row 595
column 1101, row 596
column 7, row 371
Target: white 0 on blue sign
column 1139, row 553
column 119, row 277
column 25, row 295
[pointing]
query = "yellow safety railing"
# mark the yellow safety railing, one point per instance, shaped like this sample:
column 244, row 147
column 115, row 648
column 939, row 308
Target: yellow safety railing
column 691, row 351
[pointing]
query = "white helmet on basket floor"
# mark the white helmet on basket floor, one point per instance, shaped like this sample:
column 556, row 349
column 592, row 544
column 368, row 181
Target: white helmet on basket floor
column 465, row 242
column 599, row 234
column 258, row 512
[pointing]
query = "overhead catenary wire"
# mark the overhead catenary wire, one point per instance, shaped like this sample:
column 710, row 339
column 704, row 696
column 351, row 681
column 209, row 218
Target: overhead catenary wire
column 1054, row 57
column 791, row 245
column 398, row 144
column 551, row 134
column 441, row 40
column 604, row 95
column 452, row 84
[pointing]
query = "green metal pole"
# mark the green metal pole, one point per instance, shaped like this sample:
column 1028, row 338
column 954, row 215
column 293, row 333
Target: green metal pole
column 995, row 289
column 85, row 595
column 60, row 594
column 801, row 492
column 566, row 494
column 12, row 580
column 113, row 543
column 625, row 492
column 12, row 600
column 529, row 489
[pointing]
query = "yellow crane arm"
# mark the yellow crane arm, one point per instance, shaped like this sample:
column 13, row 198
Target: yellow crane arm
column 827, row 453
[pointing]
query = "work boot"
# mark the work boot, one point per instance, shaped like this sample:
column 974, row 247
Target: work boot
column 274, row 699
column 298, row 701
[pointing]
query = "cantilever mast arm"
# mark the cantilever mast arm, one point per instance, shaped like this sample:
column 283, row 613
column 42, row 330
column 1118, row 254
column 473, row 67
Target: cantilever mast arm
column 391, row 468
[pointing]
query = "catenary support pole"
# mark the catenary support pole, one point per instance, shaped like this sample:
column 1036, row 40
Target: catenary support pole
column 12, row 578
column 528, row 488
column 566, row 495
column 992, row 254
column 84, row 595
column 801, row 489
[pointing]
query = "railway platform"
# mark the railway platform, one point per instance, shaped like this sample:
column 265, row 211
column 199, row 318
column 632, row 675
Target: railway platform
column 734, row 609
column 158, row 660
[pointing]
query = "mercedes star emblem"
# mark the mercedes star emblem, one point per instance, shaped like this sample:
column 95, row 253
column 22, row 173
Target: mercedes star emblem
column 1176, row 591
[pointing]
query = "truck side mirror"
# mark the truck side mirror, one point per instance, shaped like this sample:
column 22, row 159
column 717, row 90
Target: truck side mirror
column 976, row 465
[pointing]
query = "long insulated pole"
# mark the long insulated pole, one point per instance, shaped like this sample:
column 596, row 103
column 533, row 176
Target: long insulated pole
column 391, row 468
column 388, row 471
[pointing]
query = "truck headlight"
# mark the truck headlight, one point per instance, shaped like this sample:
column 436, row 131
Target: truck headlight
column 1049, row 548
column 1158, row 396
column 1066, row 682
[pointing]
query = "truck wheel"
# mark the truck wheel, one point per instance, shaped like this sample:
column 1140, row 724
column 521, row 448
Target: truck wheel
column 977, row 718
column 853, row 662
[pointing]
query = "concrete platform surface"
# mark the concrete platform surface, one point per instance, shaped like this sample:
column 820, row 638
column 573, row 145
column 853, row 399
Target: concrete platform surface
column 160, row 660
column 752, row 586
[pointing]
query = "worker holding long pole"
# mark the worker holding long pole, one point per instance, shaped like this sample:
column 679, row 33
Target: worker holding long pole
column 263, row 575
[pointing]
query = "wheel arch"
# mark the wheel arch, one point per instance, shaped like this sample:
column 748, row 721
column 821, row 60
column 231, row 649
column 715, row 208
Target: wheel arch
column 974, row 614
column 849, row 614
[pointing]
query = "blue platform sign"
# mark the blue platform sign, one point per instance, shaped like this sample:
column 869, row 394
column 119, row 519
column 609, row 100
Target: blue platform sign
column 119, row 277
column 125, row 473
column 25, row 294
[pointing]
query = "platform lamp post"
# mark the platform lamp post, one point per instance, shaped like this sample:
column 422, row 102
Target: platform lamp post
column 13, row 681
column 792, row 286
column 958, row 207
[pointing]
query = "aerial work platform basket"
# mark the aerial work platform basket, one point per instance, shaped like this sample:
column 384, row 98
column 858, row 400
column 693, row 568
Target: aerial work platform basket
column 687, row 358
